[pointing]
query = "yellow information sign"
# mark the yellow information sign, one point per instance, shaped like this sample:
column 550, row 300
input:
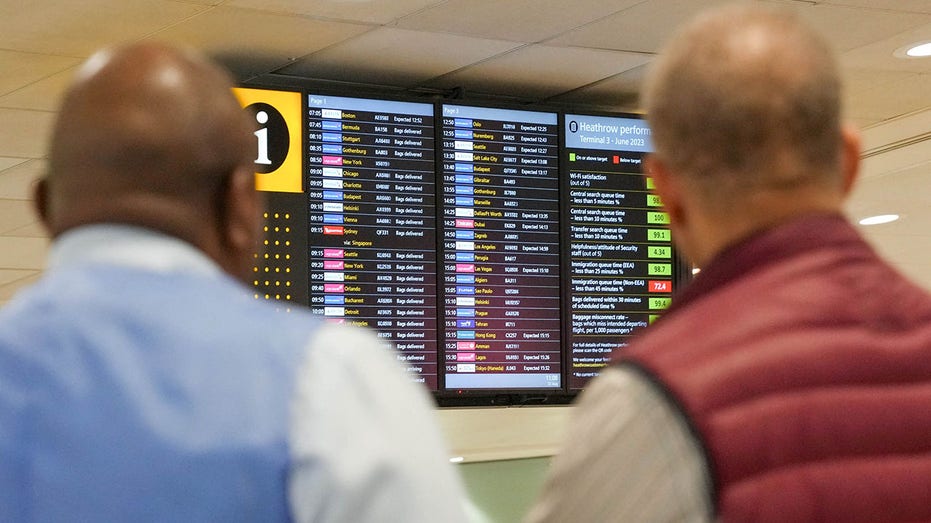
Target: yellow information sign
column 278, row 152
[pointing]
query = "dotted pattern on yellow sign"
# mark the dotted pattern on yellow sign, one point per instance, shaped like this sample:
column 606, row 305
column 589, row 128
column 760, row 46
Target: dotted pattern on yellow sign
column 271, row 270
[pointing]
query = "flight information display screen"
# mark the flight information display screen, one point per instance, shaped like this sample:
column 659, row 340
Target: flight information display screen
column 500, row 249
column 371, row 187
column 505, row 252
column 620, row 260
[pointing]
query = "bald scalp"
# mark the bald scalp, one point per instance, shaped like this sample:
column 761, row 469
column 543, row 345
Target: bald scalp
column 744, row 99
column 147, row 135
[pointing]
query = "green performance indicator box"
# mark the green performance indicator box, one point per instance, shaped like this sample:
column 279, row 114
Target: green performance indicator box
column 660, row 303
column 659, row 269
column 657, row 218
column 659, row 252
column 654, row 201
column 659, row 235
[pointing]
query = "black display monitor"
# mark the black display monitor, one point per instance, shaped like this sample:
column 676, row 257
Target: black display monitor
column 504, row 251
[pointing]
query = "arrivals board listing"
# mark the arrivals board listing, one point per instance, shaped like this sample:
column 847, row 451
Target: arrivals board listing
column 500, row 206
column 371, row 185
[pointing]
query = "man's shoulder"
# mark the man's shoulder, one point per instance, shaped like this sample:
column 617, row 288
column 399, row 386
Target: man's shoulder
column 66, row 306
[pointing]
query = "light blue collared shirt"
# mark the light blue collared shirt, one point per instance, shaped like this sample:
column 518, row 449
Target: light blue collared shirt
column 362, row 441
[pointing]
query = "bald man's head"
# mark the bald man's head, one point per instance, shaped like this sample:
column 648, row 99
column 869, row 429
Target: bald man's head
column 744, row 98
column 744, row 108
column 147, row 135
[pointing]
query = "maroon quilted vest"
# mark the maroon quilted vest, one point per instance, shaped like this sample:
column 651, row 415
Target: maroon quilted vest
column 803, row 364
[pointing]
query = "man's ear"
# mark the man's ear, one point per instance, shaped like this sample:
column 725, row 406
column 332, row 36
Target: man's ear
column 850, row 157
column 667, row 187
column 244, row 207
column 40, row 202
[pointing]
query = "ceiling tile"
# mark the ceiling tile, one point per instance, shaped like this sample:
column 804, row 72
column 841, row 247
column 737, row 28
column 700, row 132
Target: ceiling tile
column 879, row 55
column 642, row 28
column 263, row 41
column 369, row 11
column 15, row 214
column 860, row 85
column 897, row 248
column 73, row 28
column 905, row 192
column 898, row 131
column 7, row 291
column 858, row 80
column 540, row 71
column 905, row 252
column 897, row 158
column 864, row 123
column 23, row 253
column 616, row 93
column 911, row 95
column 11, row 275
column 33, row 230
column 22, row 69
column 16, row 182
column 845, row 27
column 24, row 133
column 851, row 27
column 44, row 95
column 6, row 163
column 517, row 20
column 911, row 6
column 414, row 56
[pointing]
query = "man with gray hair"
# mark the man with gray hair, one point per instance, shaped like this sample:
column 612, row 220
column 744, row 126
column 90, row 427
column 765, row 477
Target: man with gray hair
column 791, row 380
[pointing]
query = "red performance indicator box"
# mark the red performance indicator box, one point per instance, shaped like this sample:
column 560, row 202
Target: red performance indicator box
column 659, row 286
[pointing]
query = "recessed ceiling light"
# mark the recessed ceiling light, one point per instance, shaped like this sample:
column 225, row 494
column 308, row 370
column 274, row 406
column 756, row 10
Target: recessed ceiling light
column 456, row 459
column 920, row 50
column 882, row 218
column 914, row 50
